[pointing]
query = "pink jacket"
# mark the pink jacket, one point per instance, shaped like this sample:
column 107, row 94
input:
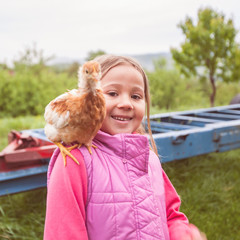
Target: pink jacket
column 118, row 192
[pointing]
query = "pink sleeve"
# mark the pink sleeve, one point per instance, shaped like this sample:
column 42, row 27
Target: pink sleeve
column 66, row 200
column 178, row 225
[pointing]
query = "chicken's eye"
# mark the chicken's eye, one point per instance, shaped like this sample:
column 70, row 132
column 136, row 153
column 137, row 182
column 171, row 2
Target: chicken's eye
column 86, row 71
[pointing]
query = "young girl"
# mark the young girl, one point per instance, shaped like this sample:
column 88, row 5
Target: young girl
column 120, row 191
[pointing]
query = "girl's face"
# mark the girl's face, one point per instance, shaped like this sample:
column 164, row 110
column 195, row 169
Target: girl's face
column 123, row 88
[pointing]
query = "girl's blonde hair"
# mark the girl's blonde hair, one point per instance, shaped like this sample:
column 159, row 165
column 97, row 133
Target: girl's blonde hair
column 108, row 62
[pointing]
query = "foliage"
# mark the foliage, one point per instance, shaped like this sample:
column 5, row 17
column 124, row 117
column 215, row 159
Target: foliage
column 209, row 50
column 22, row 215
column 72, row 70
column 93, row 54
column 33, row 59
column 209, row 190
column 4, row 66
column 27, row 93
column 226, row 92
column 28, row 88
column 170, row 90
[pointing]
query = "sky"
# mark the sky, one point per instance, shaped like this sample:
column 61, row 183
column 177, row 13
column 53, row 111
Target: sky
column 71, row 28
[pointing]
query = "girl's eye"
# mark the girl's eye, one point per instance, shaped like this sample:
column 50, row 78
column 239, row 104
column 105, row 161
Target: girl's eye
column 112, row 94
column 136, row 97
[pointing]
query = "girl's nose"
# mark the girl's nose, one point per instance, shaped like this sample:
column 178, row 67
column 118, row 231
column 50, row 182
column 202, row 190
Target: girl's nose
column 125, row 103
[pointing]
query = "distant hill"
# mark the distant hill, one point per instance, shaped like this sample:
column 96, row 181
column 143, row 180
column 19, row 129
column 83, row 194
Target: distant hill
column 146, row 60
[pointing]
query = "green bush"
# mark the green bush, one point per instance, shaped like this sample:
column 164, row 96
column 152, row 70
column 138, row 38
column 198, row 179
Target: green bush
column 25, row 92
column 28, row 88
column 226, row 92
column 170, row 90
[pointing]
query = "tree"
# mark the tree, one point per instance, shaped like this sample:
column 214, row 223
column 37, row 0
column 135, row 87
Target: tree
column 32, row 59
column 169, row 89
column 93, row 54
column 72, row 70
column 209, row 51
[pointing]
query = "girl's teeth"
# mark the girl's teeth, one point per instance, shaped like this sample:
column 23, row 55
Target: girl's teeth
column 121, row 119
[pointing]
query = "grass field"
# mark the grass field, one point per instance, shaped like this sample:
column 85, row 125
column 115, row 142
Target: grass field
column 209, row 189
column 208, row 186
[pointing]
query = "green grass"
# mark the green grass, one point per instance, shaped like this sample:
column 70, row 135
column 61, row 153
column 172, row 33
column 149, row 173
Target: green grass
column 209, row 189
column 22, row 215
column 208, row 186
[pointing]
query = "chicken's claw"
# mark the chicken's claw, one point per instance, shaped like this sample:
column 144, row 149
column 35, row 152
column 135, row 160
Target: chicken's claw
column 65, row 151
column 88, row 147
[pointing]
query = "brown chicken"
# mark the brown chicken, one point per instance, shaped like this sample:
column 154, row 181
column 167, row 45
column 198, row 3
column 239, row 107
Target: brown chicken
column 74, row 117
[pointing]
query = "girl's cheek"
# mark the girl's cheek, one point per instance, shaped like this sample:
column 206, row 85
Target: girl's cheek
column 108, row 99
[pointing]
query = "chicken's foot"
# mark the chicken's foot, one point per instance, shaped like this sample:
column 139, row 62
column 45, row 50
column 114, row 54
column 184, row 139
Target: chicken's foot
column 65, row 151
column 88, row 147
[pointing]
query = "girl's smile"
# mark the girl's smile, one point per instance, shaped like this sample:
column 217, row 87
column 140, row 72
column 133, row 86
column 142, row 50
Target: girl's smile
column 122, row 118
column 123, row 87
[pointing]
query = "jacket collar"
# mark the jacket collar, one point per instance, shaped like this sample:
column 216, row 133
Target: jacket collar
column 127, row 146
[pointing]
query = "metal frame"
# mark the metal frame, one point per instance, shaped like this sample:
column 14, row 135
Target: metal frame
column 178, row 135
column 185, row 134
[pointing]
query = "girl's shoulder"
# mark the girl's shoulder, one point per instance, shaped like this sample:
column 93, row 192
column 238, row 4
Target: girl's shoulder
column 56, row 163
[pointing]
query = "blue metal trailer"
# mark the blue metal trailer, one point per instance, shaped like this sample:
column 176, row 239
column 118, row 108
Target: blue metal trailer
column 185, row 134
column 178, row 135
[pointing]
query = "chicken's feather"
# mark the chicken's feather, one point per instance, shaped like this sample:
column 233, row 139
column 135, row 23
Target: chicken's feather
column 77, row 115
column 57, row 112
